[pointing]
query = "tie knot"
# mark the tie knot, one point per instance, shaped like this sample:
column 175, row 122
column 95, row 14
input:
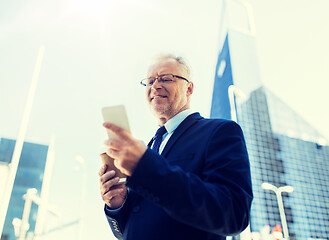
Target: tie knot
column 162, row 130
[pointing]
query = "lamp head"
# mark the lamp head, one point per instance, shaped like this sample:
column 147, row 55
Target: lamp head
column 79, row 159
column 287, row 189
column 268, row 186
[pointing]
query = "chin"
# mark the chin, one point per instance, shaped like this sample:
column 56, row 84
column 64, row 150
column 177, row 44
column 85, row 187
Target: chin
column 159, row 110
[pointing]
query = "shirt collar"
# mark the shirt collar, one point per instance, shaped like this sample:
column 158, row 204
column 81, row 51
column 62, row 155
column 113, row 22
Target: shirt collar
column 174, row 122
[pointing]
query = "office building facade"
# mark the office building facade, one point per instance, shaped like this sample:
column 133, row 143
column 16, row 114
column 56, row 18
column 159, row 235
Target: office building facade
column 30, row 173
column 283, row 148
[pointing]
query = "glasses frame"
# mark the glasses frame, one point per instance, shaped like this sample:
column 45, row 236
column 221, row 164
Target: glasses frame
column 142, row 82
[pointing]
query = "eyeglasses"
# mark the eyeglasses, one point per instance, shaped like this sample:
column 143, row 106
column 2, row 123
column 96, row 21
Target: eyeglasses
column 162, row 79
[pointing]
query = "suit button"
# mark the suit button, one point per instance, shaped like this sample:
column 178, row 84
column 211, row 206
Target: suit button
column 136, row 209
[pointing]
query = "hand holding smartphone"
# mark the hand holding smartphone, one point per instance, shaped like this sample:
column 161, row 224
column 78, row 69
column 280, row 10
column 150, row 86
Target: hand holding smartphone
column 118, row 116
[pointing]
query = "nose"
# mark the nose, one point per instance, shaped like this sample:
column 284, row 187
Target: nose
column 156, row 84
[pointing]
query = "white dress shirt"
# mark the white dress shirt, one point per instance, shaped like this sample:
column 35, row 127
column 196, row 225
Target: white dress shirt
column 171, row 126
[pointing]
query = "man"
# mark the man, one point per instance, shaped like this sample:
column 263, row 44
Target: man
column 196, row 185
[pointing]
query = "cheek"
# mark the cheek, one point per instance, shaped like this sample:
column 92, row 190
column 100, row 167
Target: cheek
column 180, row 95
column 147, row 94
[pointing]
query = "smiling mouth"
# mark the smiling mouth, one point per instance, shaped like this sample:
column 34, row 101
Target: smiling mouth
column 157, row 97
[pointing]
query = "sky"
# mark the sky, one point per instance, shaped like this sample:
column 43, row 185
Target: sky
column 96, row 52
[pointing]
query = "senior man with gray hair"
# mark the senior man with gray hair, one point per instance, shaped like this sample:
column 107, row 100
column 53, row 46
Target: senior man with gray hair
column 192, row 181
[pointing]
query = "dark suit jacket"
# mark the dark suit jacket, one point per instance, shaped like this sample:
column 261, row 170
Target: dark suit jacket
column 198, row 188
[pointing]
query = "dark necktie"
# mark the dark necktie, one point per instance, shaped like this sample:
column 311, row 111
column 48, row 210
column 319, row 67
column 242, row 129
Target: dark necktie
column 158, row 138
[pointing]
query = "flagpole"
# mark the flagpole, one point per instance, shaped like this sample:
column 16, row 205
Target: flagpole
column 20, row 140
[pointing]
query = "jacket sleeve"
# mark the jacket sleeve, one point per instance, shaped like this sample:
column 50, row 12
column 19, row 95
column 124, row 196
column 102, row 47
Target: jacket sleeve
column 217, row 199
column 117, row 219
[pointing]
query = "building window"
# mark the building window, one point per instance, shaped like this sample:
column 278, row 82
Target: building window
column 221, row 68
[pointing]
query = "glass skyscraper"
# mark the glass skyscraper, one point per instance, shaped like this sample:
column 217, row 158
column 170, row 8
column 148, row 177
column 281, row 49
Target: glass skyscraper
column 30, row 174
column 283, row 148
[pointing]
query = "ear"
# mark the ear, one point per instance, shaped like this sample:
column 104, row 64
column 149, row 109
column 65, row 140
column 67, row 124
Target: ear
column 190, row 88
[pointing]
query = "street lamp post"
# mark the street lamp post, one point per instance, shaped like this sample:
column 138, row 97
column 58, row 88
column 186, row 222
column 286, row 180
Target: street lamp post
column 235, row 92
column 22, row 225
column 278, row 192
column 26, row 212
column 81, row 161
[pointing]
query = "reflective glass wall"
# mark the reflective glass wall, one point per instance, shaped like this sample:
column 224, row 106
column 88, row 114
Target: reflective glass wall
column 283, row 150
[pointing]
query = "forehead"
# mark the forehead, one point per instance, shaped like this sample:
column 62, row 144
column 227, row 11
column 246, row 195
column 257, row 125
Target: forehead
column 163, row 67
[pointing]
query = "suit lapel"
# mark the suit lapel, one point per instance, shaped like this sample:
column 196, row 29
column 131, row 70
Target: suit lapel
column 186, row 124
column 150, row 142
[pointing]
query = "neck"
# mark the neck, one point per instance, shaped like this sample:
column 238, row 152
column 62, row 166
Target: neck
column 162, row 119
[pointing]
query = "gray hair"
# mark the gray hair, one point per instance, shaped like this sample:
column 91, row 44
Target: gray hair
column 184, row 67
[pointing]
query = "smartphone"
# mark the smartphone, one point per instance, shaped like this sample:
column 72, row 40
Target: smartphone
column 116, row 115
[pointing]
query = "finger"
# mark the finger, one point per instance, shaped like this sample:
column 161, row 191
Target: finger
column 118, row 131
column 118, row 165
column 113, row 185
column 102, row 170
column 111, row 194
column 112, row 143
column 106, row 177
column 112, row 153
column 106, row 187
